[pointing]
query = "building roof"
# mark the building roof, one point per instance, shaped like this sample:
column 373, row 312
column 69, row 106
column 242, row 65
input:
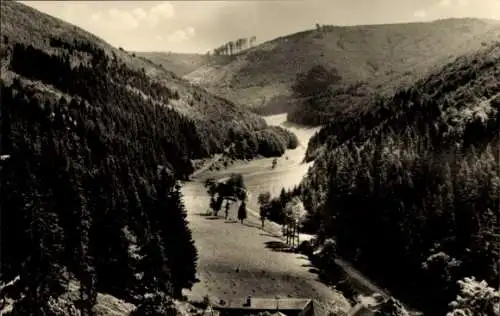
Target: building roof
column 267, row 304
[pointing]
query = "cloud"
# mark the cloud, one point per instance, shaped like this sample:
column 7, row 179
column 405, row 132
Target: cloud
column 122, row 19
column 190, row 31
column 140, row 14
column 94, row 17
column 181, row 35
column 421, row 14
column 164, row 10
column 126, row 19
column 72, row 12
column 457, row 3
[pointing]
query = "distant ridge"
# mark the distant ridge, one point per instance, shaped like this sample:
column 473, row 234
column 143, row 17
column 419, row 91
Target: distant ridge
column 371, row 58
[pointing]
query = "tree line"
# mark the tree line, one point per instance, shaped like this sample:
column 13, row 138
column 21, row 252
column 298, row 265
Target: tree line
column 324, row 27
column 409, row 190
column 272, row 141
column 232, row 47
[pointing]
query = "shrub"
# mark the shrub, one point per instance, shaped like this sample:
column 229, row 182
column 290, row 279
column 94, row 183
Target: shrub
column 206, row 302
column 306, row 248
column 157, row 304
column 347, row 290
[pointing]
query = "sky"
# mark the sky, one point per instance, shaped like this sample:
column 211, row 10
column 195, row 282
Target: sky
column 199, row 26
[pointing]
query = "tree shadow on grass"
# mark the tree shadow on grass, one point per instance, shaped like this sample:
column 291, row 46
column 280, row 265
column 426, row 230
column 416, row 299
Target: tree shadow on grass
column 265, row 231
column 278, row 246
column 205, row 214
column 211, row 217
column 314, row 270
column 270, row 235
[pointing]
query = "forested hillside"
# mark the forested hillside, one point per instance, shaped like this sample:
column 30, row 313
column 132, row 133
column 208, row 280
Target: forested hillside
column 93, row 143
column 65, row 46
column 76, row 201
column 369, row 59
column 409, row 190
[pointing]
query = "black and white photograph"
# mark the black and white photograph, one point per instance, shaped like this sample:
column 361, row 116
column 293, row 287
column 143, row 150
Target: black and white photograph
column 250, row 158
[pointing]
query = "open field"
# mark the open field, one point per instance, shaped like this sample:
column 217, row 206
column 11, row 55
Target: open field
column 238, row 260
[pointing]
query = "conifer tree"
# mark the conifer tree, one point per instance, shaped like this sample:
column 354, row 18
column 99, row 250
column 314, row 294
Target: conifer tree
column 242, row 211
column 182, row 254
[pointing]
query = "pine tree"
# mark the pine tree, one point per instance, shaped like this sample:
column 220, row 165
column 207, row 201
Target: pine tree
column 156, row 274
column 176, row 236
column 42, row 274
column 86, row 271
column 242, row 211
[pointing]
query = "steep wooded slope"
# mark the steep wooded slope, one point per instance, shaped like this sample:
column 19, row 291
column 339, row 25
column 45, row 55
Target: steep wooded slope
column 409, row 189
column 214, row 118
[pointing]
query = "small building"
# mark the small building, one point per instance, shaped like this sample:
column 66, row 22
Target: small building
column 274, row 306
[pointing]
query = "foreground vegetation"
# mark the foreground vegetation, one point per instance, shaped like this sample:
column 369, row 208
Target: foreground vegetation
column 80, row 202
column 409, row 190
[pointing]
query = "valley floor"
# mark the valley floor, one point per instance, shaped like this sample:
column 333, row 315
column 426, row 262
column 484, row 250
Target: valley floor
column 238, row 260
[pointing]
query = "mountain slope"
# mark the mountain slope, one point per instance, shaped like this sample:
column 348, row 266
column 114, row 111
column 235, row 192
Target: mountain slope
column 218, row 121
column 370, row 58
column 178, row 63
column 24, row 24
column 409, row 188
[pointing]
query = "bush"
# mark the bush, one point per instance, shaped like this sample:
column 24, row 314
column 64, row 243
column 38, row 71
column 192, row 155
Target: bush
column 206, row 302
column 306, row 248
column 475, row 298
column 325, row 260
column 347, row 290
column 157, row 304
